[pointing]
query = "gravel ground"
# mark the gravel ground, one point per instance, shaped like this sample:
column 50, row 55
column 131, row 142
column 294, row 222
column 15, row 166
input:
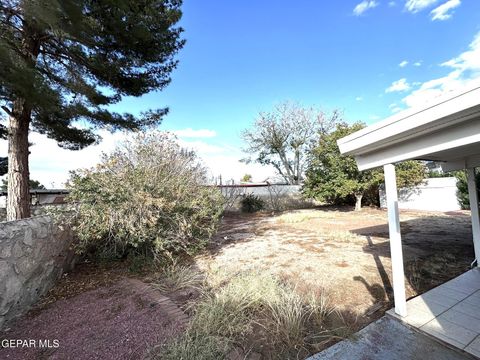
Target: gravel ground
column 118, row 321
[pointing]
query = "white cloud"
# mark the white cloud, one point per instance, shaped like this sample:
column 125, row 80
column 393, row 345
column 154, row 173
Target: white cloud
column 403, row 63
column 443, row 12
column 373, row 117
column 201, row 147
column 51, row 164
column 464, row 69
column 364, row 6
column 398, row 86
column 230, row 167
column 392, row 3
column 191, row 133
column 359, row 98
column 418, row 63
column 224, row 160
column 468, row 60
column 415, row 6
column 394, row 108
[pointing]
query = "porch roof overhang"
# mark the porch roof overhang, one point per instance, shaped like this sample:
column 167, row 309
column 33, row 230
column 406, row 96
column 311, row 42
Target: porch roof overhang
column 446, row 130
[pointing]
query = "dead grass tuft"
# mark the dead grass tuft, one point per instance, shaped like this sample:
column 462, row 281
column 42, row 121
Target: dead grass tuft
column 295, row 217
column 343, row 237
column 177, row 277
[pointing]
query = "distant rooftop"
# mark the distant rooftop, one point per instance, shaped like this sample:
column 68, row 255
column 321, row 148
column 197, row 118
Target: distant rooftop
column 42, row 191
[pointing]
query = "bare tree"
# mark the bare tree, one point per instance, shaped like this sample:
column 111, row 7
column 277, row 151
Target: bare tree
column 275, row 195
column 230, row 194
column 281, row 137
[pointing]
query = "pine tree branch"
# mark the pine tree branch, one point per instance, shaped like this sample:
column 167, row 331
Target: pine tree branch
column 7, row 110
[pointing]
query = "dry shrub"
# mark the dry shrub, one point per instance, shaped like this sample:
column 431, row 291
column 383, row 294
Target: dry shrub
column 148, row 196
column 275, row 195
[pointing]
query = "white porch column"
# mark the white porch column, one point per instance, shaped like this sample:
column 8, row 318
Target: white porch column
column 473, row 196
column 396, row 252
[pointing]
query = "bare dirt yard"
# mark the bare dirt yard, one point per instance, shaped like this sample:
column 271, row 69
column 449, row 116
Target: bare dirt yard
column 344, row 252
column 227, row 302
column 343, row 255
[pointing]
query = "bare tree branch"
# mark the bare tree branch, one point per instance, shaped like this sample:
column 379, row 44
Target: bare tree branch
column 282, row 137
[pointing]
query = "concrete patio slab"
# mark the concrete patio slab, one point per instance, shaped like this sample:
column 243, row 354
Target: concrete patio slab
column 474, row 347
column 449, row 312
column 389, row 339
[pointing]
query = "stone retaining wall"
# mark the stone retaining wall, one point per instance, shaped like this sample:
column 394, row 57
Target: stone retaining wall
column 36, row 210
column 33, row 255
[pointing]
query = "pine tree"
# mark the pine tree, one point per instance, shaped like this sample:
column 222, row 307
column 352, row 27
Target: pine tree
column 63, row 62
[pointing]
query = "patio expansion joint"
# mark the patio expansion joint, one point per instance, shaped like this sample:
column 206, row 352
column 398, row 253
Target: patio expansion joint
column 475, row 338
column 463, row 346
column 438, row 340
column 443, row 312
column 419, row 328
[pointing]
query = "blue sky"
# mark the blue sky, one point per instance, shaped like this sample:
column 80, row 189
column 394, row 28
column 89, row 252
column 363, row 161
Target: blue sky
column 369, row 58
column 244, row 56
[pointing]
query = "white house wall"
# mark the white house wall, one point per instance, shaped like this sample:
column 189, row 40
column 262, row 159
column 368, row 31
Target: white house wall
column 436, row 194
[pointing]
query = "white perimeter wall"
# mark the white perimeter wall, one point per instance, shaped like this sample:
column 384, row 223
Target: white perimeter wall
column 435, row 194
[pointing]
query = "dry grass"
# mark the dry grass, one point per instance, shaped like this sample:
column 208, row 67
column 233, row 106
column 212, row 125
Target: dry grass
column 256, row 313
column 427, row 272
column 177, row 277
column 342, row 236
column 289, row 314
column 191, row 346
column 295, row 217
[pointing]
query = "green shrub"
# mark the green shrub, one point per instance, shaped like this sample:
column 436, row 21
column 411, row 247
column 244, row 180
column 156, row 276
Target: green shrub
column 149, row 196
column 252, row 203
column 462, row 188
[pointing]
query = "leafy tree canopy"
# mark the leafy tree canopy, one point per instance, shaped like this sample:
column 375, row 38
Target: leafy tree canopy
column 333, row 177
column 462, row 187
column 246, row 178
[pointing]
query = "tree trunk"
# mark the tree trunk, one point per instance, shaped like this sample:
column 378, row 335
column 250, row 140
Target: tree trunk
column 297, row 166
column 287, row 167
column 358, row 202
column 18, row 196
